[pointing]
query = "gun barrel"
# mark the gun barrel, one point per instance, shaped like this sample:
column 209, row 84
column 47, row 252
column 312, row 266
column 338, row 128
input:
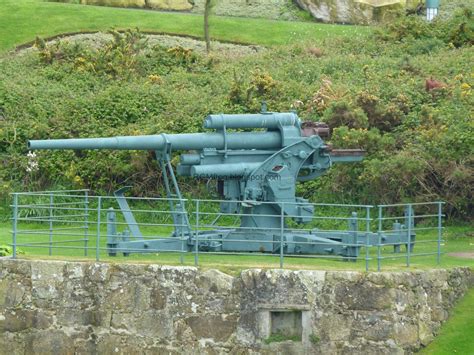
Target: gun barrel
column 186, row 141
column 223, row 170
column 270, row 120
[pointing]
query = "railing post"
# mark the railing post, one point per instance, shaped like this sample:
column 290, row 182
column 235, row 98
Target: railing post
column 282, row 227
column 409, row 234
column 440, row 231
column 15, row 224
column 181, row 228
column 86, row 222
column 196, row 236
column 97, row 241
column 379, row 239
column 51, row 202
column 367, row 236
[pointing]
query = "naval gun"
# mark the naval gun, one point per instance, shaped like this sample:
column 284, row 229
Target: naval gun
column 257, row 160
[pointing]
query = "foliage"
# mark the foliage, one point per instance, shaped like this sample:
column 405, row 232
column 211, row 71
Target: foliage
column 372, row 93
column 324, row 96
column 457, row 31
column 248, row 95
column 384, row 117
column 5, row 250
column 119, row 57
column 278, row 337
column 340, row 113
column 314, row 338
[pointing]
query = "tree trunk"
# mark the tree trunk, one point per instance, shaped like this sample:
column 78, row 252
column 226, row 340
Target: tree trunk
column 207, row 14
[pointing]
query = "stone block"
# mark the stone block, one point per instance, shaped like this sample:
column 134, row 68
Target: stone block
column 175, row 5
column 21, row 319
column 215, row 281
column 47, row 271
column 49, row 342
column 157, row 298
column 97, row 272
column 157, row 325
column 12, row 293
column 10, row 267
column 217, row 327
column 425, row 333
column 363, row 296
column 130, row 344
column 76, row 317
column 132, row 296
column 334, row 327
column 405, row 333
column 11, row 344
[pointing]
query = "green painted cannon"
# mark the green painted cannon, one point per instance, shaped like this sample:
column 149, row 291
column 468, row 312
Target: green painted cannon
column 257, row 160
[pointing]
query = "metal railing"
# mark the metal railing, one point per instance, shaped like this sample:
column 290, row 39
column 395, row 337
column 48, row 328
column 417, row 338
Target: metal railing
column 72, row 223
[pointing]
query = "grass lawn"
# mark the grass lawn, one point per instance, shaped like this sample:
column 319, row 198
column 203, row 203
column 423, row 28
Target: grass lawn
column 455, row 239
column 456, row 335
column 22, row 20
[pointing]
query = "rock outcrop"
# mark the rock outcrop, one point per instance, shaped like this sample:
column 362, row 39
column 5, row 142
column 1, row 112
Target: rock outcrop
column 274, row 9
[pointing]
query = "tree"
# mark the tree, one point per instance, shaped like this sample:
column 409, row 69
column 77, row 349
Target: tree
column 209, row 4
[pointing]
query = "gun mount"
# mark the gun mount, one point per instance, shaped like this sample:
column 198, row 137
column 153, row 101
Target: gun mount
column 256, row 171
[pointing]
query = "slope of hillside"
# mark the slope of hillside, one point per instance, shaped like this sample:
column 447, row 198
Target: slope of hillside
column 22, row 20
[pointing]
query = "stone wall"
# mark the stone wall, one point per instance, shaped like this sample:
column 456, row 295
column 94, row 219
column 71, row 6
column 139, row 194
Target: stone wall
column 334, row 11
column 99, row 308
column 273, row 9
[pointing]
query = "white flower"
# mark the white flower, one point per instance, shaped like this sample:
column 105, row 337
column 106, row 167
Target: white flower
column 32, row 164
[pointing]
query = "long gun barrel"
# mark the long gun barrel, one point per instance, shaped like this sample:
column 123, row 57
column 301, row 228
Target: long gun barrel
column 278, row 125
column 186, row 141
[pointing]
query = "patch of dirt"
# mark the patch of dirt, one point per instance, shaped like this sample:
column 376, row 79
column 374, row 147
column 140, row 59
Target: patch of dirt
column 99, row 39
column 463, row 255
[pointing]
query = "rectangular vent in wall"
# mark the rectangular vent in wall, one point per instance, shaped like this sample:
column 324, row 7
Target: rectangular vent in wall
column 287, row 323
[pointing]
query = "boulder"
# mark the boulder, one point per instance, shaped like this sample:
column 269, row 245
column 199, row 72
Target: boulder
column 115, row 3
column 174, row 5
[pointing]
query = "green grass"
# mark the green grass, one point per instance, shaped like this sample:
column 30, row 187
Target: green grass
column 278, row 337
column 456, row 239
column 456, row 335
column 22, row 20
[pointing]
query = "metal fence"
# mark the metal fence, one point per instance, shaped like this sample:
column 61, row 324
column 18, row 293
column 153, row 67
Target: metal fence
column 74, row 223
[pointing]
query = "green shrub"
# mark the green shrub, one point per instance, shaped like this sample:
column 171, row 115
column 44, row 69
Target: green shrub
column 314, row 338
column 457, row 30
column 341, row 113
column 372, row 93
column 5, row 250
column 278, row 337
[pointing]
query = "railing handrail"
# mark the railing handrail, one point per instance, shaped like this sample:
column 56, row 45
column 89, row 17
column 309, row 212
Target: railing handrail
column 48, row 192
column 361, row 229
column 412, row 204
